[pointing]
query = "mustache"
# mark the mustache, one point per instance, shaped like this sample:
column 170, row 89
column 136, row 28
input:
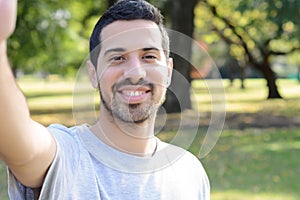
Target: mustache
column 127, row 81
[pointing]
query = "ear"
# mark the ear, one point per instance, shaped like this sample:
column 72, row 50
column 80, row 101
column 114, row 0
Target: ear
column 170, row 70
column 92, row 74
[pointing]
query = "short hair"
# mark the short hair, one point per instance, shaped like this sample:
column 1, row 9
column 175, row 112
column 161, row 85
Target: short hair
column 127, row 10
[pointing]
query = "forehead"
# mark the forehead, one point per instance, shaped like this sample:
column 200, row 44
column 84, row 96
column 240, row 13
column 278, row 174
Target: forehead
column 131, row 35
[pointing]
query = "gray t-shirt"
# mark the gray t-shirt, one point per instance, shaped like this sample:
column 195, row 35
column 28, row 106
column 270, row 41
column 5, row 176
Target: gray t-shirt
column 86, row 168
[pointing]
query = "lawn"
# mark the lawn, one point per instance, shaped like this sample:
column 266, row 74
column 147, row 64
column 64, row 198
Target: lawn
column 255, row 164
column 246, row 163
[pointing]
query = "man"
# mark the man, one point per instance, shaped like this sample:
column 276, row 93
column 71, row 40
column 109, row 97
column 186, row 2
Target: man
column 118, row 157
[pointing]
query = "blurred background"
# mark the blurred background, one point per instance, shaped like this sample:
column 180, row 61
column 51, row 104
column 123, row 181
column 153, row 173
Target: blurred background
column 255, row 45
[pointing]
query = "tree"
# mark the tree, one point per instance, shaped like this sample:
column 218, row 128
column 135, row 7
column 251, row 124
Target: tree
column 39, row 25
column 51, row 36
column 255, row 30
column 182, row 20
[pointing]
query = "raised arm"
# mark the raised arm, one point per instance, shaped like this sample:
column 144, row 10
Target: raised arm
column 25, row 146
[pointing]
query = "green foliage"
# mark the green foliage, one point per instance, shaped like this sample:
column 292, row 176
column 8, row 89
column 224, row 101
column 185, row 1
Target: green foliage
column 278, row 20
column 52, row 35
column 264, row 26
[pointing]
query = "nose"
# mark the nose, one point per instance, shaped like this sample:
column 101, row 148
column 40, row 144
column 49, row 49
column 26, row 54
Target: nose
column 134, row 70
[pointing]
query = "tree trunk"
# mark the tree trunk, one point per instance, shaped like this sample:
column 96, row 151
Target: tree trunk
column 243, row 71
column 182, row 20
column 270, row 77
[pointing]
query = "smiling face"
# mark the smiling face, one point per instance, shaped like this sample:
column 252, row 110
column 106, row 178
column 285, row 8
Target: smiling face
column 133, row 71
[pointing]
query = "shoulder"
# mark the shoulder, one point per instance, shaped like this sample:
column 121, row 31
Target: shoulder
column 63, row 134
column 58, row 129
column 188, row 169
column 67, row 141
column 181, row 157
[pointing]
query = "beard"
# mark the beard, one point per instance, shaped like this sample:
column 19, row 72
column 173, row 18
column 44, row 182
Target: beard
column 134, row 113
column 131, row 113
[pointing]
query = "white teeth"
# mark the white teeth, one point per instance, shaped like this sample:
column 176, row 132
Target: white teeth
column 133, row 93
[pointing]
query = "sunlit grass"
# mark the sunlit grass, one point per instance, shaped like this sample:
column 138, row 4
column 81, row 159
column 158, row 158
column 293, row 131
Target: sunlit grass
column 251, row 99
column 44, row 94
column 241, row 195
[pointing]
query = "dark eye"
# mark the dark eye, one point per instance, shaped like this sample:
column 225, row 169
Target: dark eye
column 117, row 58
column 150, row 57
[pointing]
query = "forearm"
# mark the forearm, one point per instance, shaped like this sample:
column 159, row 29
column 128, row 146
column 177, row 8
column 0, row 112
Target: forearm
column 26, row 146
column 14, row 113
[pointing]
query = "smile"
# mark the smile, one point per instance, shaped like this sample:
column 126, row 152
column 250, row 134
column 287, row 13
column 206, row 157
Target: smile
column 134, row 94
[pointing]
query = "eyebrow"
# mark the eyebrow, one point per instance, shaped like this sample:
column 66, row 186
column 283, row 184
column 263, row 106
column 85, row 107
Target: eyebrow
column 123, row 50
column 114, row 50
column 150, row 49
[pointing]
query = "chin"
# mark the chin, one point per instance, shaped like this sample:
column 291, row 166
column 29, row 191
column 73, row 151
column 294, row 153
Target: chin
column 136, row 113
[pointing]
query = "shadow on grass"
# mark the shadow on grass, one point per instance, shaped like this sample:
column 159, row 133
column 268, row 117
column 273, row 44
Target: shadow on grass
column 51, row 93
column 51, row 111
column 47, row 94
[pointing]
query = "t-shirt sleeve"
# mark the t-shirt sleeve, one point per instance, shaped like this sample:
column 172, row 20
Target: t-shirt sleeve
column 61, row 171
column 17, row 190
column 199, row 180
column 205, row 184
column 200, row 177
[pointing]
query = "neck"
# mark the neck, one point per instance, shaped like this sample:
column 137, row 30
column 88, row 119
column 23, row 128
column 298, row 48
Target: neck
column 136, row 139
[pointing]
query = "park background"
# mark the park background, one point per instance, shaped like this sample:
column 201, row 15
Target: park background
column 255, row 45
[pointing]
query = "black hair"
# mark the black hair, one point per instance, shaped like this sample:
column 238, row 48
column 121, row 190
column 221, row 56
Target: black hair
column 127, row 10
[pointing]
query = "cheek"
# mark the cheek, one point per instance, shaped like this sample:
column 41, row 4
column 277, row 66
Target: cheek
column 108, row 78
column 159, row 76
column 106, row 85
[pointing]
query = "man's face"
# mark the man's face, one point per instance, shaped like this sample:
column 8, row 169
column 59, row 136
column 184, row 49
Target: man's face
column 133, row 70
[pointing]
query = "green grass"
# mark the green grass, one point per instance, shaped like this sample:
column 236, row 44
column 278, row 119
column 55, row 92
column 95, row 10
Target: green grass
column 246, row 164
column 255, row 164
column 3, row 182
column 252, row 164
